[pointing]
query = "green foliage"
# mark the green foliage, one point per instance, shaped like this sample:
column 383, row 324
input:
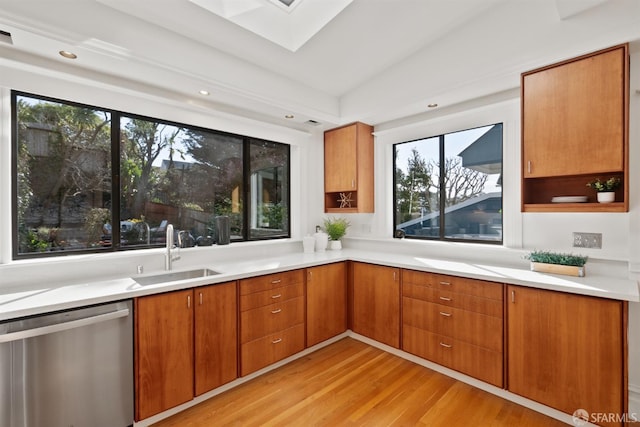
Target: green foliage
column 336, row 228
column 95, row 220
column 609, row 185
column 273, row 214
column 557, row 258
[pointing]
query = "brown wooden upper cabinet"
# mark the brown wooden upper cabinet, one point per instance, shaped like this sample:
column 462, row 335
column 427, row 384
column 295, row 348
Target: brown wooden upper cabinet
column 348, row 169
column 575, row 121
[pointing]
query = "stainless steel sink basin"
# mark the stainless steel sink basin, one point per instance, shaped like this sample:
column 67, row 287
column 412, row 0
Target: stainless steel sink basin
column 174, row 276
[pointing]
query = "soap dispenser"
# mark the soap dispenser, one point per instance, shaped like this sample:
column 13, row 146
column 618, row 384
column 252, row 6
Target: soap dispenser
column 322, row 239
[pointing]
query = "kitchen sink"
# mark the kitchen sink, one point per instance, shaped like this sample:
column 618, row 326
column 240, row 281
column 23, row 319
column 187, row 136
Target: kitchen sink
column 174, row 276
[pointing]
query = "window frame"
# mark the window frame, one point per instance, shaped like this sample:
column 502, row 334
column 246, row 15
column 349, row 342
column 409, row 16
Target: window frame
column 441, row 195
column 116, row 116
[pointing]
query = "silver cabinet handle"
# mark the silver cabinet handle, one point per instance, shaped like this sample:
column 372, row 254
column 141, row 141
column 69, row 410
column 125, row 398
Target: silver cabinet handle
column 446, row 345
column 273, row 282
column 529, row 166
column 353, row 183
column 276, row 296
column 513, row 296
column 276, row 341
column 445, row 283
column 188, row 301
column 276, row 311
column 200, row 298
column 445, row 299
column 445, row 314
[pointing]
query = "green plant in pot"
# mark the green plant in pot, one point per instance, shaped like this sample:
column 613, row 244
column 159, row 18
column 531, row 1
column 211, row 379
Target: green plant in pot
column 557, row 263
column 336, row 228
column 605, row 188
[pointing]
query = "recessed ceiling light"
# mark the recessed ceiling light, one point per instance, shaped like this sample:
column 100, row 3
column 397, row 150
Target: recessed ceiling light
column 67, row 54
column 203, row 92
column 289, row 116
column 433, row 105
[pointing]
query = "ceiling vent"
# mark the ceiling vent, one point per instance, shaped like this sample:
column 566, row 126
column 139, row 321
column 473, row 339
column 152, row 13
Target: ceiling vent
column 312, row 122
column 5, row 37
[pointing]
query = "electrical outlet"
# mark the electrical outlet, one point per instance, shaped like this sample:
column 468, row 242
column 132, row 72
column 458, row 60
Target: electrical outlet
column 587, row 240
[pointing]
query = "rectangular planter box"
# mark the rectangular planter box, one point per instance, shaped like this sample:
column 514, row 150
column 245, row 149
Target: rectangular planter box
column 567, row 270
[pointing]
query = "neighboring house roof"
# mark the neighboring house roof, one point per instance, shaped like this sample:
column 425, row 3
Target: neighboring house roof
column 469, row 202
column 485, row 153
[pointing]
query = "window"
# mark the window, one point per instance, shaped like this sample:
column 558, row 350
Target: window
column 78, row 170
column 449, row 187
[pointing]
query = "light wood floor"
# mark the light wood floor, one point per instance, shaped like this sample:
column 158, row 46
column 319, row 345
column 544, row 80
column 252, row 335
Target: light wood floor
column 350, row 383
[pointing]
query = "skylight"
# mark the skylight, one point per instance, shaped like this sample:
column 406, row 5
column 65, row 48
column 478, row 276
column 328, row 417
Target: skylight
column 291, row 30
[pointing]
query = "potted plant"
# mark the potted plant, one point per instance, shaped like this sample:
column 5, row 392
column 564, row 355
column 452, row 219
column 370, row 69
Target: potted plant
column 336, row 228
column 606, row 189
column 557, row 263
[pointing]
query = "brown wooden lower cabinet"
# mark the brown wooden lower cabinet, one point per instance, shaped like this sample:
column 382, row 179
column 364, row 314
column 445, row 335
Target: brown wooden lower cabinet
column 216, row 336
column 163, row 352
column 185, row 345
column 376, row 302
column 475, row 361
column 567, row 351
column 264, row 351
column 272, row 319
column 326, row 302
column 455, row 322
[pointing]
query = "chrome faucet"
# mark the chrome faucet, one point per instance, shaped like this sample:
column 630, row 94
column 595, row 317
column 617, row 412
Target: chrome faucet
column 169, row 257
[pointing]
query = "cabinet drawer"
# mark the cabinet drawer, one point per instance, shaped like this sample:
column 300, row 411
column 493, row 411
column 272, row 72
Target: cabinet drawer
column 267, row 350
column 270, row 296
column 479, row 288
column 478, row 362
column 490, row 307
column 468, row 326
column 263, row 321
column 270, row 281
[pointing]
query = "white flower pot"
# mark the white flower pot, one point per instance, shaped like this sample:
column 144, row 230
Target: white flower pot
column 335, row 245
column 606, row 197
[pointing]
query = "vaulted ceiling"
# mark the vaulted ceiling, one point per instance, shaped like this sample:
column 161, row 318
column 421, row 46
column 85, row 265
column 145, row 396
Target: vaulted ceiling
column 329, row 61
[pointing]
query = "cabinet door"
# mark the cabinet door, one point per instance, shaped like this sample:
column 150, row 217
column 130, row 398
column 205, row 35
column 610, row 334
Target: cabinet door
column 216, row 336
column 326, row 302
column 340, row 159
column 164, row 352
column 566, row 351
column 573, row 117
column 376, row 303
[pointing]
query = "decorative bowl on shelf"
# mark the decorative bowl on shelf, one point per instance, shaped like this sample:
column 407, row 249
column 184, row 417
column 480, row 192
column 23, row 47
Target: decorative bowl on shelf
column 569, row 199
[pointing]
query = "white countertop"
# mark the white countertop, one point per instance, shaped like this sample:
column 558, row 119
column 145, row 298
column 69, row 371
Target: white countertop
column 34, row 299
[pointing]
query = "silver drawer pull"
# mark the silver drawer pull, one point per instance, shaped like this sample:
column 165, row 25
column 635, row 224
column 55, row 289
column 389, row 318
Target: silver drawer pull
column 445, row 283
column 276, row 311
column 273, row 282
column 446, row 345
column 445, row 314
column 276, row 341
column 445, row 299
column 276, row 296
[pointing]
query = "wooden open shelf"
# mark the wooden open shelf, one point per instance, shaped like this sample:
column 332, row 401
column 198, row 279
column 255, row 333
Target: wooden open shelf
column 538, row 192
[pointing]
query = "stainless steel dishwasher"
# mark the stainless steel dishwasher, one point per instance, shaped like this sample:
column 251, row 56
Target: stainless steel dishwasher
column 68, row 369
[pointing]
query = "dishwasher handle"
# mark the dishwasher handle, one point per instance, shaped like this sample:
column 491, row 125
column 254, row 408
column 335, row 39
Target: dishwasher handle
column 63, row 326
